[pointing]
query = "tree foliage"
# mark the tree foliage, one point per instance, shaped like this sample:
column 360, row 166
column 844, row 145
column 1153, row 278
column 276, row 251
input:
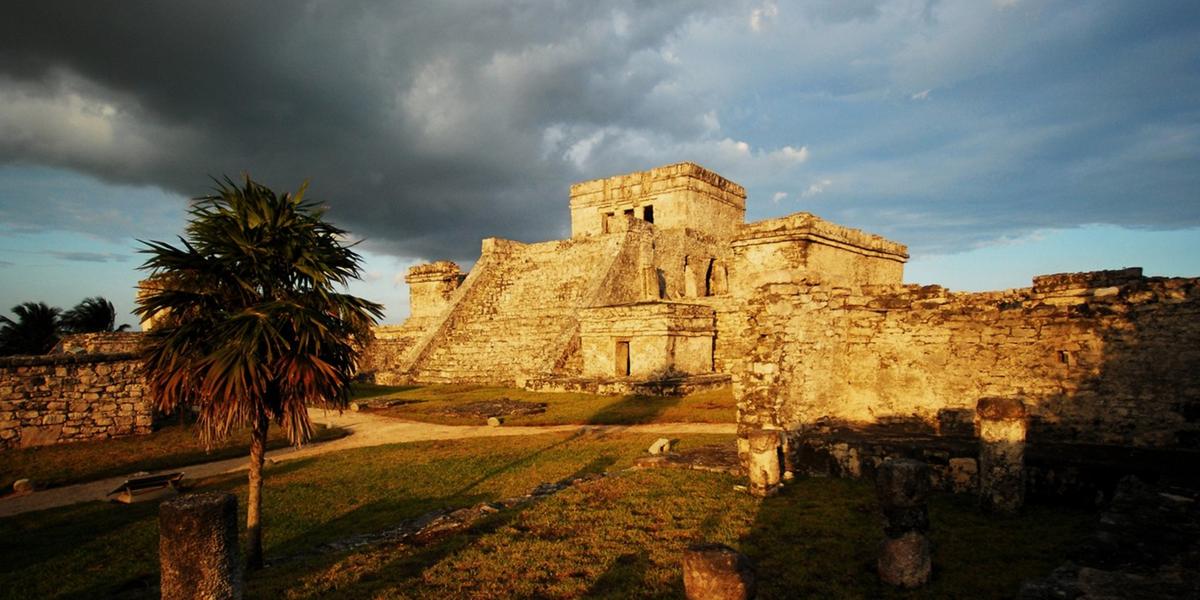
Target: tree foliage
column 91, row 315
column 249, row 323
column 34, row 331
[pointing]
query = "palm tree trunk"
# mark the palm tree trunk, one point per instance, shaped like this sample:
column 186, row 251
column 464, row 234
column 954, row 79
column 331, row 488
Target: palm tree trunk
column 258, row 446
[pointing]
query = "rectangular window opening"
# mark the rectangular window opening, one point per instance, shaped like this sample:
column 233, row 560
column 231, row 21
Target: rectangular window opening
column 648, row 213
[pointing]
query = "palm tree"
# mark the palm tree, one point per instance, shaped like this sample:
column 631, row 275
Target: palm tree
column 91, row 315
column 34, row 332
column 250, row 326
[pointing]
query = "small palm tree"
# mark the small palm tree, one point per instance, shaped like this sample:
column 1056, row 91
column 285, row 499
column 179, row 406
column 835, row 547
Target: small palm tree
column 91, row 315
column 250, row 326
column 35, row 331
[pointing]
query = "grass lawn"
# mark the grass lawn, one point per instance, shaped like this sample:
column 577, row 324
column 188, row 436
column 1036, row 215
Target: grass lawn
column 430, row 403
column 172, row 445
column 621, row 536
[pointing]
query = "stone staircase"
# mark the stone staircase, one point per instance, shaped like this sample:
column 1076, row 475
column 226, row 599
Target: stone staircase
column 514, row 320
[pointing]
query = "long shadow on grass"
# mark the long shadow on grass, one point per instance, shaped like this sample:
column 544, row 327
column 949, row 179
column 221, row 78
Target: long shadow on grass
column 628, row 572
column 30, row 539
column 633, row 409
column 819, row 538
column 389, row 511
column 370, row 570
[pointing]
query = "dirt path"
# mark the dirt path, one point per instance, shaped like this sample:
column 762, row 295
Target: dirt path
column 365, row 430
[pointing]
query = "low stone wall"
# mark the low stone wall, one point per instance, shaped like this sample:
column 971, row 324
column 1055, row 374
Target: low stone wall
column 1100, row 358
column 61, row 398
column 1078, row 474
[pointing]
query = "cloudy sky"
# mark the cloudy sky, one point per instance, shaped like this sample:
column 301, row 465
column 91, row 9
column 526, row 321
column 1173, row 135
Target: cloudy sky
column 998, row 139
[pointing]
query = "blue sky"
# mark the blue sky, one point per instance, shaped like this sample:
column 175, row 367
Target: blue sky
column 998, row 140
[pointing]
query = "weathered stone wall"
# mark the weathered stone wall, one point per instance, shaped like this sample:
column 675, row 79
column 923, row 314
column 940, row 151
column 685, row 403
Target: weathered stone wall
column 71, row 397
column 102, row 342
column 1107, row 357
column 681, row 195
column 802, row 247
column 661, row 339
column 430, row 287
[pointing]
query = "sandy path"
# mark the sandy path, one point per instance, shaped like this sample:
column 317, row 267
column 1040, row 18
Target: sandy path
column 365, row 430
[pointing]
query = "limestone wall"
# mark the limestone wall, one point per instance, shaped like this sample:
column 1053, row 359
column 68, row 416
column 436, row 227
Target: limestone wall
column 103, row 342
column 71, row 397
column 1106, row 357
column 802, row 246
column 430, row 287
column 680, row 195
column 647, row 340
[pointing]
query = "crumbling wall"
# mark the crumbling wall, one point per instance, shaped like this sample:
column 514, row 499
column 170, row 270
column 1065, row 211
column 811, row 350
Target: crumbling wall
column 101, row 342
column 60, row 398
column 802, row 246
column 1106, row 357
column 430, row 287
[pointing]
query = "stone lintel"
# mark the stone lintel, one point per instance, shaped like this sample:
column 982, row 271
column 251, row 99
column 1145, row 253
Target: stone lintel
column 652, row 182
column 648, row 318
column 806, row 227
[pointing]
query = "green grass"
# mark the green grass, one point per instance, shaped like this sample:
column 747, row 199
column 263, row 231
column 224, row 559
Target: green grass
column 172, row 445
column 425, row 403
column 620, row 536
column 624, row 537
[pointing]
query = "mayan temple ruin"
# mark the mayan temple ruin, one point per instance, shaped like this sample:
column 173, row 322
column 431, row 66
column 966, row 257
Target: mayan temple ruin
column 835, row 363
column 664, row 288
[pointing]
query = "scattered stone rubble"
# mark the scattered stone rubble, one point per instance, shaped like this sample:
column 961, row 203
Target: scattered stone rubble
column 1147, row 546
column 712, row 458
column 500, row 407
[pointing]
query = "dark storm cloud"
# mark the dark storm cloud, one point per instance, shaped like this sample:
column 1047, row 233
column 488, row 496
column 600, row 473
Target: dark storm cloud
column 426, row 126
column 421, row 124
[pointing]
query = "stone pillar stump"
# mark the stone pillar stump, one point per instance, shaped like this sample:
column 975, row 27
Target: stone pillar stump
column 903, row 489
column 1003, row 424
column 198, row 547
column 717, row 572
column 763, row 465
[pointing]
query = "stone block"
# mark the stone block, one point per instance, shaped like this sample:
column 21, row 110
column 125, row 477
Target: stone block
column 903, row 483
column 764, row 468
column 905, row 561
column 963, row 475
column 198, row 547
column 717, row 572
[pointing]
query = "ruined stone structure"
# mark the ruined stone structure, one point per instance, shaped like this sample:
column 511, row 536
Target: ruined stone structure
column 633, row 298
column 662, row 282
column 60, row 398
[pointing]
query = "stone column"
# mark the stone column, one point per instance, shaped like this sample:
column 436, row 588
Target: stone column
column 1003, row 424
column 903, row 489
column 763, row 464
column 717, row 572
column 198, row 547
